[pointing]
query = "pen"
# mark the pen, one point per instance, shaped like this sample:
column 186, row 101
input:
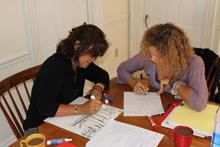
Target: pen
column 57, row 141
column 142, row 81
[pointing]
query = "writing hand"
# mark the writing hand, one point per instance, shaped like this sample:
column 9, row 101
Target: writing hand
column 90, row 107
column 140, row 88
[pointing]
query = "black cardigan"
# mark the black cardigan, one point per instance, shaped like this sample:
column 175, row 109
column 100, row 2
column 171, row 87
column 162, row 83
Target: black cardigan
column 56, row 83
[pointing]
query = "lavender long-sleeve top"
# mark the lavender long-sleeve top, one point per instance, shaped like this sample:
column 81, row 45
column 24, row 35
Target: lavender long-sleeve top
column 194, row 77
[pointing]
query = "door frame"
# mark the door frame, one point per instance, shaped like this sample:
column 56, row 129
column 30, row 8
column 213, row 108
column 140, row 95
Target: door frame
column 136, row 24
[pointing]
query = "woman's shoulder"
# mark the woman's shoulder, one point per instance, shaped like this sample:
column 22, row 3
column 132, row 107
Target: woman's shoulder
column 55, row 62
column 196, row 61
column 140, row 57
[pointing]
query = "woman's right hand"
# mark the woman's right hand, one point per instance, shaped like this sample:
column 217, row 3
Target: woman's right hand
column 140, row 88
column 90, row 107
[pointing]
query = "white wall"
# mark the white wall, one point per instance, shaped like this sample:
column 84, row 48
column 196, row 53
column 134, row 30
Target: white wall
column 13, row 46
column 216, row 30
column 14, row 52
column 30, row 30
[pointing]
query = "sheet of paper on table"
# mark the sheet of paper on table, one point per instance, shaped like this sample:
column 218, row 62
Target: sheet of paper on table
column 141, row 104
column 118, row 134
column 86, row 125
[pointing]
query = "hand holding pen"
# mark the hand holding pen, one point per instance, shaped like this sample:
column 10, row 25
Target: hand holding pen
column 91, row 106
column 140, row 87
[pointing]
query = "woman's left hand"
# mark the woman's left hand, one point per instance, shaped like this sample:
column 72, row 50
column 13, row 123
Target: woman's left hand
column 163, row 84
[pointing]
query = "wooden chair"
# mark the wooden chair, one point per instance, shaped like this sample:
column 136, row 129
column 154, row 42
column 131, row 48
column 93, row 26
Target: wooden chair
column 15, row 97
column 212, row 70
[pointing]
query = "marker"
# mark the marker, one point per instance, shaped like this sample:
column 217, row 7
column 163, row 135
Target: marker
column 108, row 100
column 142, row 81
column 92, row 97
column 57, row 141
column 151, row 120
column 153, row 124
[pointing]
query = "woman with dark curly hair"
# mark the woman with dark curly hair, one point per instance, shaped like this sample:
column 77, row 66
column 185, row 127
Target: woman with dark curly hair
column 61, row 77
column 171, row 64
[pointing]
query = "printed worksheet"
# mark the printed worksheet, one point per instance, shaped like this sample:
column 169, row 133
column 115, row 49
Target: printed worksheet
column 142, row 104
column 86, row 125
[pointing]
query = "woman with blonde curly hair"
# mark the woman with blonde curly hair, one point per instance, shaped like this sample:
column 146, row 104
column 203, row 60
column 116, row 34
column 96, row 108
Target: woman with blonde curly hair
column 169, row 61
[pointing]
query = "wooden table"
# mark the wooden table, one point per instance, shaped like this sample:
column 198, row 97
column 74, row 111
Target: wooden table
column 116, row 91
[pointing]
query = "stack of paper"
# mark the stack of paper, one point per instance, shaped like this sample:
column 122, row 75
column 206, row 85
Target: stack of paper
column 141, row 104
column 202, row 122
column 118, row 134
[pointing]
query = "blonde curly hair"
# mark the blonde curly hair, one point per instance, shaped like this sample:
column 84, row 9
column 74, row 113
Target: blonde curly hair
column 171, row 43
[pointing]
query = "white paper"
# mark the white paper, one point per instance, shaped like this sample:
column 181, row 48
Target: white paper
column 141, row 104
column 86, row 125
column 118, row 134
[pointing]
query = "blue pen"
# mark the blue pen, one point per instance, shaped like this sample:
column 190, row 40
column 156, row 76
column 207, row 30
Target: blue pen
column 57, row 141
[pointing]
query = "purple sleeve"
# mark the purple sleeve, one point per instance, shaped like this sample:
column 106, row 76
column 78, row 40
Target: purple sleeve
column 128, row 67
column 196, row 80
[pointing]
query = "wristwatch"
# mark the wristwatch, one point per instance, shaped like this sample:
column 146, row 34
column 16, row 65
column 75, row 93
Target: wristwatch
column 172, row 81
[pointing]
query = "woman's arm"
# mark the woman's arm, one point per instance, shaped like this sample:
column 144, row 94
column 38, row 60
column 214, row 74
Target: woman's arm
column 128, row 67
column 195, row 92
column 96, row 75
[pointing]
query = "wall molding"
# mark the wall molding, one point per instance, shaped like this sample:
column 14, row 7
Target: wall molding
column 14, row 59
column 136, row 8
column 95, row 12
column 8, row 141
column 32, row 24
column 116, row 21
column 218, row 49
column 209, row 23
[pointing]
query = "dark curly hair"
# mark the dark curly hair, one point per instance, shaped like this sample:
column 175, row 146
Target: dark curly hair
column 92, row 41
column 172, row 44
